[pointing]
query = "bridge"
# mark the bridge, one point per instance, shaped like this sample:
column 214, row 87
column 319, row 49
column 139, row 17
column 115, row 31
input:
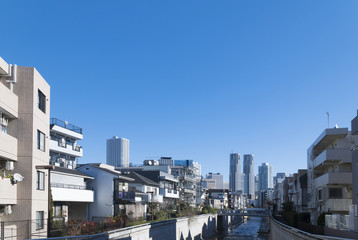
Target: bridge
column 249, row 212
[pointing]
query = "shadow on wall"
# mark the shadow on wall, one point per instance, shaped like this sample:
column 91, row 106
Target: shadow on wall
column 164, row 230
column 209, row 229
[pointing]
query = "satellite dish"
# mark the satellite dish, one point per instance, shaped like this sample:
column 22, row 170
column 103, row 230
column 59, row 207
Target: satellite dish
column 150, row 163
column 18, row 177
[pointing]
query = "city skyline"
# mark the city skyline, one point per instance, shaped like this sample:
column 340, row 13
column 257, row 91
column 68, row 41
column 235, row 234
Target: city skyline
column 230, row 77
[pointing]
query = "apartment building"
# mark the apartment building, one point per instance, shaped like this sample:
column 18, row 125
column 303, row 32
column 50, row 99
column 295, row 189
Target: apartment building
column 24, row 149
column 329, row 176
column 354, row 207
column 69, row 188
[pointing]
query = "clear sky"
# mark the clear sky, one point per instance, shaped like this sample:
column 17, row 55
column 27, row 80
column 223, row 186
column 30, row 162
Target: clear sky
column 193, row 79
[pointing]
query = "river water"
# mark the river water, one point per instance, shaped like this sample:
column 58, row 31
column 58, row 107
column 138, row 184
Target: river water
column 250, row 230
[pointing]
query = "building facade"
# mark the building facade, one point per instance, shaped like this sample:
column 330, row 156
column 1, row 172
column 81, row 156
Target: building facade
column 118, row 152
column 329, row 176
column 24, row 149
column 249, row 176
column 265, row 177
column 235, row 173
column 219, row 179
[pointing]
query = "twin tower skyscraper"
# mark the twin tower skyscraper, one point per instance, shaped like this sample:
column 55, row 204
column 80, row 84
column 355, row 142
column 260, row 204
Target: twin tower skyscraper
column 242, row 181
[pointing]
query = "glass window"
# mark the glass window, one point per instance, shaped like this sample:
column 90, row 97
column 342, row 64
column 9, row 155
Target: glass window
column 41, row 101
column 40, row 183
column 39, row 220
column 40, row 140
column 335, row 193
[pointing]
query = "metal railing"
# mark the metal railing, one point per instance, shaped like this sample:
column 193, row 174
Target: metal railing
column 58, row 122
column 70, row 186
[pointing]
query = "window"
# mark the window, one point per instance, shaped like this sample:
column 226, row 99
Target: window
column 320, row 194
column 39, row 220
column 41, row 101
column 335, row 193
column 40, row 140
column 40, row 181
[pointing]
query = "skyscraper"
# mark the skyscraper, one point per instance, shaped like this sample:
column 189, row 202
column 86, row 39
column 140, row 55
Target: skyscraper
column 250, row 175
column 265, row 177
column 118, row 152
column 218, row 178
column 235, row 172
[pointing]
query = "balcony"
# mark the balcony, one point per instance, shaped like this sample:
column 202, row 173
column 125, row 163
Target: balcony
column 8, row 192
column 337, row 205
column 331, row 157
column 8, row 102
column 8, row 146
column 70, row 193
column 344, row 178
column 121, row 197
column 64, row 128
column 169, row 193
column 327, row 137
column 57, row 146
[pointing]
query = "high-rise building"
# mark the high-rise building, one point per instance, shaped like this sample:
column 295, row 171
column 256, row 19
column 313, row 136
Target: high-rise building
column 24, row 151
column 265, row 177
column 250, row 175
column 218, row 178
column 118, row 152
column 235, row 173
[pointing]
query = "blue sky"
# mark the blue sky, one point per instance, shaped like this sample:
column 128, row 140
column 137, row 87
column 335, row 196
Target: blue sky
column 193, row 79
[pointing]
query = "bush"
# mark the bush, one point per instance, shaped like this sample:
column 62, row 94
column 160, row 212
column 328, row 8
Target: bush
column 208, row 209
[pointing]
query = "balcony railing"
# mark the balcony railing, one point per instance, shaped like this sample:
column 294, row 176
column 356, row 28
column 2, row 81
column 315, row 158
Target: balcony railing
column 70, row 186
column 58, row 122
column 124, row 197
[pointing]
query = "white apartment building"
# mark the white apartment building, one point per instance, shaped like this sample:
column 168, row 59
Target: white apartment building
column 24, row 149
column 329, row 175
column 118, row 152
column 64, row 147
column 70, row 193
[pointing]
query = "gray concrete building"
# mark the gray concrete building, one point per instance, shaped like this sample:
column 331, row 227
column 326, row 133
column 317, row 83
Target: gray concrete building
column 354, row 207
column 118, row 152
column 249, row 176
column 24, row 151
column 235, row 173
column 329, row 176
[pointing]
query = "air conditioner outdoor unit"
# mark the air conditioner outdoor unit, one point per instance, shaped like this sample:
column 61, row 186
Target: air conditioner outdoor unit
column 7, row 210
column 9, row 165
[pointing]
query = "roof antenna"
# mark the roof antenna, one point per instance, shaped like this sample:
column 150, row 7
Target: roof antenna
column 328, row 118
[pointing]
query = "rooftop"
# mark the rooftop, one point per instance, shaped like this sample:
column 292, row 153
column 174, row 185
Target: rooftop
column 65, row 124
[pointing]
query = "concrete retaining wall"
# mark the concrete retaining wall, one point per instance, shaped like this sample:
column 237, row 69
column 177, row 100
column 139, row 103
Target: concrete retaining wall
column 279, row 231
column 197, row 227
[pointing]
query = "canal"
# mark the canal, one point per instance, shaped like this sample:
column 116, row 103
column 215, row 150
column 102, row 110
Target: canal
column 254, row 228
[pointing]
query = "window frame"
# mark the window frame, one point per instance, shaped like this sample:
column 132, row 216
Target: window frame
column 40, row 220
column 41, row 101
column 40, row 146
column 40, row 181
